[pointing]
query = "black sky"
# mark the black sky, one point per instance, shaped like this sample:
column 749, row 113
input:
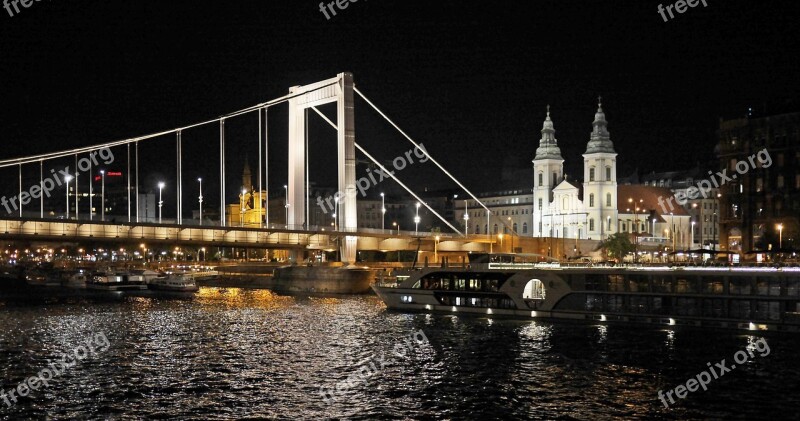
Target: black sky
column 469, row 80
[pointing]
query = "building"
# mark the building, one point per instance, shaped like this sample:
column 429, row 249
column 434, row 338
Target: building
column 702, row 205
column 760, row 204
column 556, row 205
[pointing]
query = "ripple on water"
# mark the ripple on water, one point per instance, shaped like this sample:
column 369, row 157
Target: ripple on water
column 238, row 354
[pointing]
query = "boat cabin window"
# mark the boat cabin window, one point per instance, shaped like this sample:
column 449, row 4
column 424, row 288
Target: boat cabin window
column 534, row 290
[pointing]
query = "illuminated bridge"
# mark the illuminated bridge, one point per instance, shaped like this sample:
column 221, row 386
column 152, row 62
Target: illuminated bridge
column 83, row 163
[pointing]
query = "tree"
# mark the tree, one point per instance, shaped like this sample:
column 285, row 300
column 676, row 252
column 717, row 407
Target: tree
column 618, row 246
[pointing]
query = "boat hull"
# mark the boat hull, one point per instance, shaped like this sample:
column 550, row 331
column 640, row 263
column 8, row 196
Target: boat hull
column 768, row 300
column 304, row 280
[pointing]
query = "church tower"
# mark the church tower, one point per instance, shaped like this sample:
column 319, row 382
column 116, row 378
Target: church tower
column 548, row 170
column 600, row 179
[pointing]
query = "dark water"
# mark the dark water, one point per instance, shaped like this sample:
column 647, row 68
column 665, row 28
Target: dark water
column 234, row 354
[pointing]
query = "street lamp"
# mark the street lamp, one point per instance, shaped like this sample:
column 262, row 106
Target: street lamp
column 103, row 195
column 383, row 212
column 286, row 203
column 466, row 217
column 635, row 228
column 200, row 199
column 394, row 224
column 67, row 179
column 416, row 221
column 335, row 212
column 780, row 236
column 160, row 202
column 692, row 236
column 500, row 236
column 203, row 249
column 436, row 249
column 241, row 217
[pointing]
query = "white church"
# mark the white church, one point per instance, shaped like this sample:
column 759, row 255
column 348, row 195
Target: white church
column 591, row 209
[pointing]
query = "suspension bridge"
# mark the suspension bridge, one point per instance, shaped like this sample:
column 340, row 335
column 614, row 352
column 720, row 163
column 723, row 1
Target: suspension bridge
column 296, row 234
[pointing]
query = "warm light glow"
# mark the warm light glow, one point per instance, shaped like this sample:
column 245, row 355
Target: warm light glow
column 161, row 184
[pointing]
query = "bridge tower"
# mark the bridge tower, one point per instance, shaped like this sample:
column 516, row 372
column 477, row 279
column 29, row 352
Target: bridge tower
column 340, row 91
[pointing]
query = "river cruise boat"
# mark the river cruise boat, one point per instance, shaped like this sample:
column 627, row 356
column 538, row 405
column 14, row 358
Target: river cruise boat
column 174, row 282
column 109, row 279
column 750, row 298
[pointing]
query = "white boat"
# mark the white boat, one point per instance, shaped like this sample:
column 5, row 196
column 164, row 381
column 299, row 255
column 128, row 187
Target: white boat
column 747, row 298
column 112, row 280
column 174, row 282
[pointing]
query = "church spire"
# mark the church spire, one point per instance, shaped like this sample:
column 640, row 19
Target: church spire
column 600, row 139
column 548, row 145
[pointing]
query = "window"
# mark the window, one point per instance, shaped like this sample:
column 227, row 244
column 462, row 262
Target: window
column 780, row 182
column 540, row 180
column 540, row 203
column 495, row 229
column 608, row 173
column 477, row 229
column 608, row 200
column 555, row 178
column 591, row 174
column 534, row 290
column 524, row 227
column 591, row 200
column 514, row 227
column 591, row 225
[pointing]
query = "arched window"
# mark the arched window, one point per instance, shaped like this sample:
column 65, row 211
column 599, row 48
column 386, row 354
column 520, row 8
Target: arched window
column 591, row 200
column 505, row 229
column 495, row 229
column 534, row 290
column 524, row 227
column 514, row 227
column 477, row 229
column 485, row 229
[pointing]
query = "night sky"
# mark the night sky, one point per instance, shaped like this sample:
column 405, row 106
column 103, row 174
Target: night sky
column 469, row 81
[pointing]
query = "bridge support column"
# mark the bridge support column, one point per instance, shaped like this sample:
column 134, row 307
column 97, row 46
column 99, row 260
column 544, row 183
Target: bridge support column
column 340, row 91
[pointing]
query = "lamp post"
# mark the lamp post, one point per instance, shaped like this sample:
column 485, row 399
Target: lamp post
column 203, row 249
column 780, row 236
column 200, row 199
column 466, row 217
column 672, row 233
column 436, row 249
column 335, row 213
column 692, row 236
column 500, row 237
column 416, row 221
column 383, row 212
column 241, row 216
column 160, row 202
column 286, row 203
column 635, row 228
column 102, row 195
column 394, row 224
column 67, row 179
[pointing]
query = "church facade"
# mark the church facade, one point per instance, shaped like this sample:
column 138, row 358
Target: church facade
column 589, row 209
